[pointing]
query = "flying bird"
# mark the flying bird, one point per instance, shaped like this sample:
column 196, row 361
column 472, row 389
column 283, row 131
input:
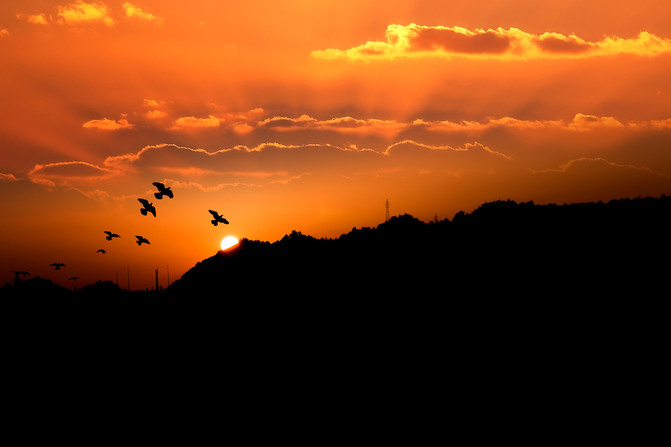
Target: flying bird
column 74, row 278
column 21, row 273
column 110, row 235
column 141, row 240
column 148, row 207
column 217, row 218
column 57, row 265
column 162, row 191
column 101, row 251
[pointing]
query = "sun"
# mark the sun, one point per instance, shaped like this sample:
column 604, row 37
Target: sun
column 228, row 242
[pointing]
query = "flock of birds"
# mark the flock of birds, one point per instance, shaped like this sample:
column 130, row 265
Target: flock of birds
column 147, row 208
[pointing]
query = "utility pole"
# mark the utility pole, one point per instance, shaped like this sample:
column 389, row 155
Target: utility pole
column 156, row 272
column 387, row 215
column 168, row 267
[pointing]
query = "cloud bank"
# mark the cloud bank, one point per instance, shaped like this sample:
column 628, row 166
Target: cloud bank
column 90, row 13
column 465, row 168
column 415, row 41
column 157, row 116
column 83, row 12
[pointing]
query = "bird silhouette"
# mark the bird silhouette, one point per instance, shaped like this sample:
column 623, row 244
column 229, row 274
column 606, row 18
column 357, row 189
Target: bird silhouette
column 148, row 207
column 141, row 240
column 101, row 251
column 110, row 235
column 162, row 191
column 73, row 278
column 57, row 265
column 21, row 273
column 217, row 218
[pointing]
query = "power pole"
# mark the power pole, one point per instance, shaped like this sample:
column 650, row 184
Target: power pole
column 387, row 215
column 156, row 272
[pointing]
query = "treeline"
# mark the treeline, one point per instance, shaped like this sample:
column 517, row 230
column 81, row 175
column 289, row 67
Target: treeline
column 38, row 287
column 499, row 248
column 502, row 247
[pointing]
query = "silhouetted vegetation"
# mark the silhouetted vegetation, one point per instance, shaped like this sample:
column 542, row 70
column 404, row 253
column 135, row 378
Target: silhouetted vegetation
column 35, row 287
column 501, row 249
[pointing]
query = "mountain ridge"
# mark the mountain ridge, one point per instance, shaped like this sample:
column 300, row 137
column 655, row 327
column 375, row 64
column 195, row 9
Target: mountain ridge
column 500, row 247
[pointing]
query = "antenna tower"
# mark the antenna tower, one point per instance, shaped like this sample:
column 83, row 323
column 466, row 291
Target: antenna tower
column 387, row 207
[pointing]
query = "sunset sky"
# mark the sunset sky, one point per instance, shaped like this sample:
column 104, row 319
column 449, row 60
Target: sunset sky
column 307, row 115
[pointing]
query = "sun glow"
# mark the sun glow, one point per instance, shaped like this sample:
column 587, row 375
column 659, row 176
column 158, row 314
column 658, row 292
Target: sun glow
column 228, row 242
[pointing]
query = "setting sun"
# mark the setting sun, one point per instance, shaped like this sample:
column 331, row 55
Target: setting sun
column 228, row 242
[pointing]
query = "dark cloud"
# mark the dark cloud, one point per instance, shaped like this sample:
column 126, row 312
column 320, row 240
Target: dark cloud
column 562, row 44
column 454, row 41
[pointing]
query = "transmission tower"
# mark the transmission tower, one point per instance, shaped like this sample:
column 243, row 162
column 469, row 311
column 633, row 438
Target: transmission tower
column 387, row 207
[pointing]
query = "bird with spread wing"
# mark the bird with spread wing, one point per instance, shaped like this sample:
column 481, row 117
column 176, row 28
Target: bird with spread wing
column 162, row 190
column 110, row 235
column 141, row 240
column 217, row 218
column 148, row 207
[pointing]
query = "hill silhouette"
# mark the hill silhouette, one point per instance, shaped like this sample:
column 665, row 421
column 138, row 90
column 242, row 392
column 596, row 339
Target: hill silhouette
column 501, row 247
column 410, row 302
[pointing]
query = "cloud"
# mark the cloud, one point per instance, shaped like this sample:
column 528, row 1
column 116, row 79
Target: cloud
column 460, row 40
column 7, row 177
column 477, row 126
column 270, row 163
column 243, row 128
column 37, row 19
column 583, row 122
column 412, row 146
column 346, row 125
column 561, row 44
column 191, row 122
column 413, row 41
column 580, row 122
column 157, row 115
column 108, row 124
column 136, row 12
column 659, row 124
column 82, row 12
column 238, row 122
column 68, row 173
column 467, row 173
column 581, row 162
column 4, row 32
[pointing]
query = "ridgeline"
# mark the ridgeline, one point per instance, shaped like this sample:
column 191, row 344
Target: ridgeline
column 499, row 249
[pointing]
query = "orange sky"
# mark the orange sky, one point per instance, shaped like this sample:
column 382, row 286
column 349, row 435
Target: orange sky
column 305, row 115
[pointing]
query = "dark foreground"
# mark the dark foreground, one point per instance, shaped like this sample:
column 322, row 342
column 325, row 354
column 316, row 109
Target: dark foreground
column 515, row 321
